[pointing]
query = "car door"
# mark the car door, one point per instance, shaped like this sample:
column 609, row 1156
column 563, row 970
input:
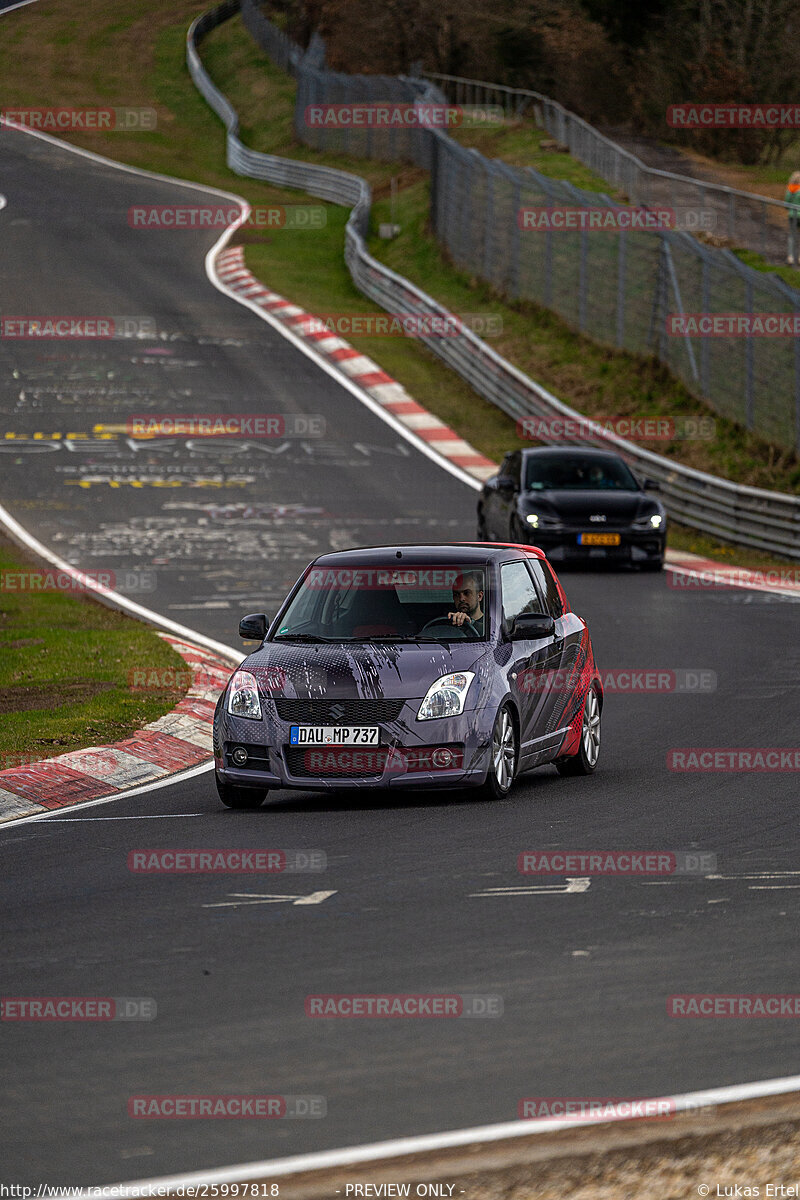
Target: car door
column 556, row 671
column 529, row 663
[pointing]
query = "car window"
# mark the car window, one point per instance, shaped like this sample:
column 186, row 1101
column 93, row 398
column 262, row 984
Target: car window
column 395, row 601
column 546, row 582
column 519, row 594
column 576, row 473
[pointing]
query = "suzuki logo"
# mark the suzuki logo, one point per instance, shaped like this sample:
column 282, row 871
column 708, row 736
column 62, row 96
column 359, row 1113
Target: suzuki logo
column 598, row 517
column 337, row 712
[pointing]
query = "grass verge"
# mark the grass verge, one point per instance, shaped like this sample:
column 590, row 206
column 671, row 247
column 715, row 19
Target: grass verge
column 64, row 669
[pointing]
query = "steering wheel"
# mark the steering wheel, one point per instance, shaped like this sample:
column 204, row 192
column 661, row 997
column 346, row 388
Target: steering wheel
column 459, row 630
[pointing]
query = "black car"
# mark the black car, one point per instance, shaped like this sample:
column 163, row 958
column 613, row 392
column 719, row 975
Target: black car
column 577, row 504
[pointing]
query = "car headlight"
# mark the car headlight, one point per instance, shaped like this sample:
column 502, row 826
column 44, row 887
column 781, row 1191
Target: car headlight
column 243, row 698
column 542, row 520
column 651, row 521
column 446, row 697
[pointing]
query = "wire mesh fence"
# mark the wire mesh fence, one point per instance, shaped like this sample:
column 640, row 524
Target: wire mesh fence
column 646, row 290
column 746, row 219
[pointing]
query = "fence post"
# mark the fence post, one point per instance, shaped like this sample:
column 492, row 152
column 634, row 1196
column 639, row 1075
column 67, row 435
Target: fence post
column 621, row 263
column 705, row 346
column 582, row 282
column 434, row 202
column 796, row 341
column 488, row 222
column 749, row 349
column 657, row 334
column 677, row 293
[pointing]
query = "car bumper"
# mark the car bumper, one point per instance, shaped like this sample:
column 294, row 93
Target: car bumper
column 404, row 758
column 634, row 546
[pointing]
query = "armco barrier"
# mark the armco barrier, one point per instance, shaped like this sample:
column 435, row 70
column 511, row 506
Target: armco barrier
column 748, row 516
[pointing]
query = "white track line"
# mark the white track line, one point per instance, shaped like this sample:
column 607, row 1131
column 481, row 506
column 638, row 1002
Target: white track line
column 179, row 778
column 325, row 365
column 276, row 1167
column 11, row 7
column 22, row 537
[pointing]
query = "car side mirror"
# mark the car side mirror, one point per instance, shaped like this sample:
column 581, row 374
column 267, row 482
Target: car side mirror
column 530, row 626
column 505, row 484
column 652, row 485
column 254, row 627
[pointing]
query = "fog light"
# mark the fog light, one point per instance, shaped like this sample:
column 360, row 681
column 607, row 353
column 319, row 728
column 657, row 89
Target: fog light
column 442, row 758
column 239, row 756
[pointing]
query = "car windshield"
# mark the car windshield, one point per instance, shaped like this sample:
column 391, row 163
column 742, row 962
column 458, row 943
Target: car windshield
column 578, row 474
column 388, row 603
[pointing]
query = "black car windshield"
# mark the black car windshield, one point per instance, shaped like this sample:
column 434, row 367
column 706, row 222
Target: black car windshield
column 394, row 603
column 578, row 473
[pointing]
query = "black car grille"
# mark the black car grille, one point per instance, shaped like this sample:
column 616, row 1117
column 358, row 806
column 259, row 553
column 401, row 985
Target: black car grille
column 338, row 712
column 305, row 762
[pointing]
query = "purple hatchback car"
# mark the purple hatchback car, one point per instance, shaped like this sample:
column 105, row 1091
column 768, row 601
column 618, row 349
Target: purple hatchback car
column 448, row 666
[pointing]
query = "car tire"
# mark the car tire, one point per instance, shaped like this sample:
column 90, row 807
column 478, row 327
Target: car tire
column 585, row 761
column 503, row 756
column 240, row 797
column 655, row 565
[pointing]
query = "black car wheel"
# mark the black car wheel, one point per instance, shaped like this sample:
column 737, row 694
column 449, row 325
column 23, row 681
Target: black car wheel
column 656, row 564
column 503, row 756
column 240, row 797
column 585, row 761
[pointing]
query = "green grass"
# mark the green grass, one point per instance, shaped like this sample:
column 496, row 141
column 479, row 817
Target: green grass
column 308, row 267
column 790, row 275
column 64, row 669
column 519, row 142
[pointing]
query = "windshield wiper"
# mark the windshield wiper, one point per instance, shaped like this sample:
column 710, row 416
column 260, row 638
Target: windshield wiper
column 379, row 637
column 301, row 637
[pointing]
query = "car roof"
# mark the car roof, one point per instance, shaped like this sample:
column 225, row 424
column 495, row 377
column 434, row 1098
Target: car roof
column 570, row 452
column 455, row 553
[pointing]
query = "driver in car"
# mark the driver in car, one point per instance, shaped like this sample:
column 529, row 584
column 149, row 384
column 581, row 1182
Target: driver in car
column 467, row 601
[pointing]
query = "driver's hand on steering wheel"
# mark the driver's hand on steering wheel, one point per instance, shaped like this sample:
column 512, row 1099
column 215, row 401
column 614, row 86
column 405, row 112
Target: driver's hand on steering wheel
column 459, row 618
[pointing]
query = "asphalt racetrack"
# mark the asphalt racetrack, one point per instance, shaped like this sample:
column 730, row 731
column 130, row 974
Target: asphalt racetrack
column 584, row 976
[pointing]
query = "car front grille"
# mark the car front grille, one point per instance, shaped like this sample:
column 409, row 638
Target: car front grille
column 337, row 712
column 305, row 762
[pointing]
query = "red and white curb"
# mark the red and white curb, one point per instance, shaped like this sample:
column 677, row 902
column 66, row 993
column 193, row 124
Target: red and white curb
column 174, row 742
column 390, row 394
column 705, row 574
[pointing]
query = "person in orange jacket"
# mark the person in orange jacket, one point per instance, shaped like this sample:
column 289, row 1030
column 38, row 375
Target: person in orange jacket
column 792, row 197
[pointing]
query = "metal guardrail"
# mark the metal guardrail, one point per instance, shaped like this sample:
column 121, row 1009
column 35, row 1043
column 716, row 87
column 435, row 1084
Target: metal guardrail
column 747, row 516
column 746, row 218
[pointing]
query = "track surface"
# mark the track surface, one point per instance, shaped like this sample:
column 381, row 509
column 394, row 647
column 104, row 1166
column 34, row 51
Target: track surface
column 230, row 982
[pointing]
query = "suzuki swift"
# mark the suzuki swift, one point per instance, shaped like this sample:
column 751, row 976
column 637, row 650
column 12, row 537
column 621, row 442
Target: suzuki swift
column 448, row 666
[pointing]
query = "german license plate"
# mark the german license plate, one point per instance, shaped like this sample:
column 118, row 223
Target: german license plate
column 598, row 539
column 334, row 735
